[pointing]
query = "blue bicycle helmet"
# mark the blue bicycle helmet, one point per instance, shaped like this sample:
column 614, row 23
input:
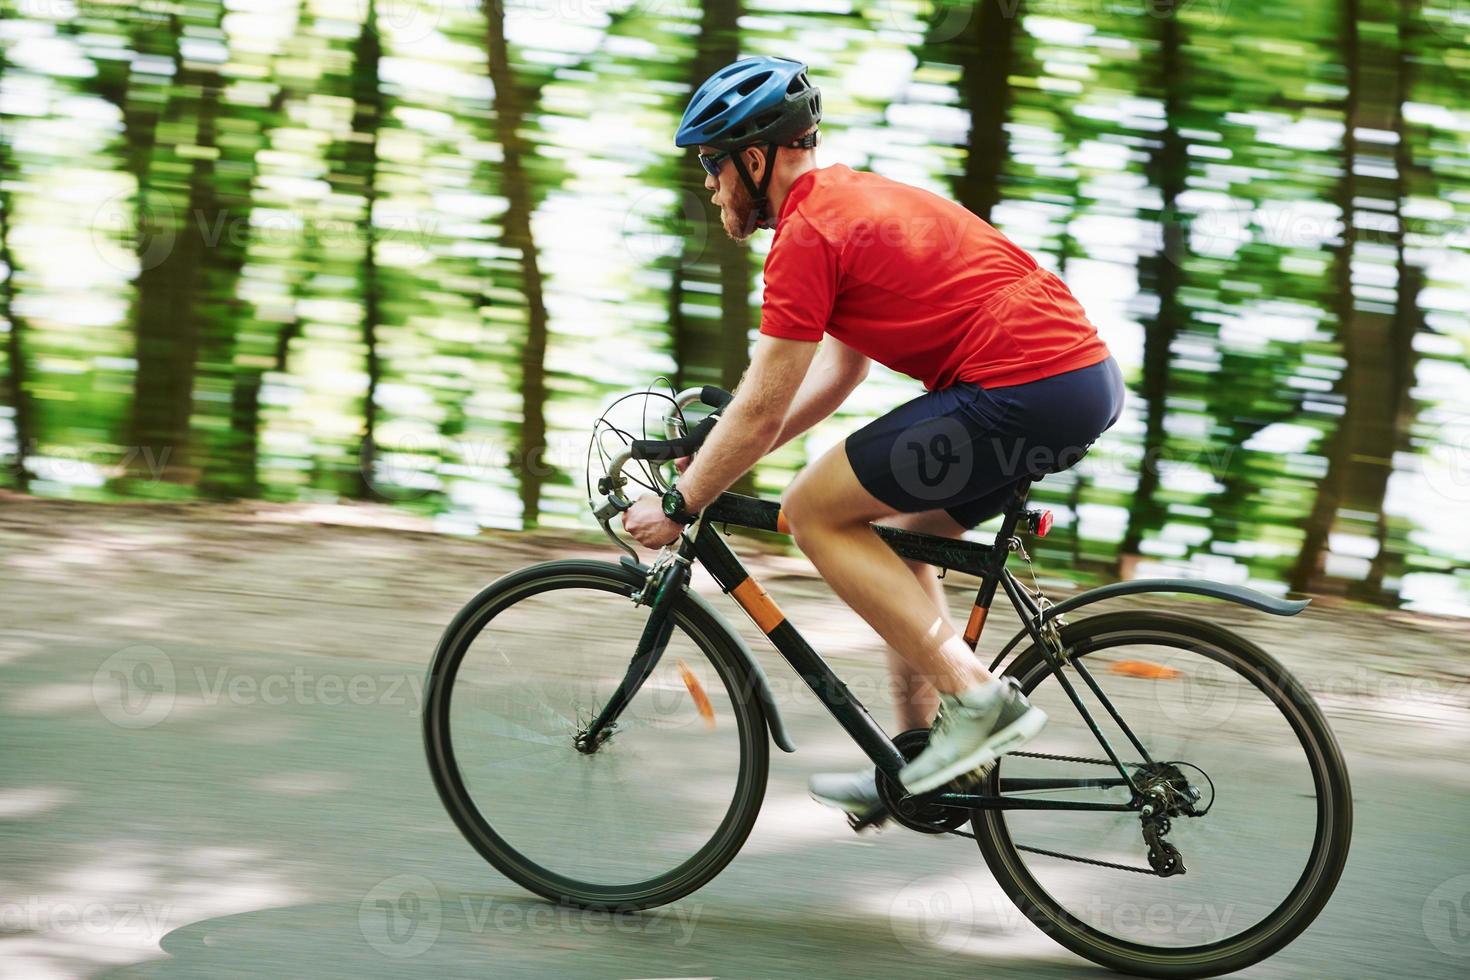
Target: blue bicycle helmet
column 754, row 100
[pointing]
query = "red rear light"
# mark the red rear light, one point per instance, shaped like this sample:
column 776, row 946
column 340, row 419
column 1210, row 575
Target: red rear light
column 1043, row 525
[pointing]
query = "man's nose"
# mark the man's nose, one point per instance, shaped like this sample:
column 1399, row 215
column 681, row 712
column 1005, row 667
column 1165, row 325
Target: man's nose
column 709, row 182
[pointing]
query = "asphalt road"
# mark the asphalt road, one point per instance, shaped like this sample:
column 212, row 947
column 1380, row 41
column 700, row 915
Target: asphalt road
column 213, row 768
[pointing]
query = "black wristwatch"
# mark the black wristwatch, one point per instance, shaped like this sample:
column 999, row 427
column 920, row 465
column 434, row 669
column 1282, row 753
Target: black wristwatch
column 675, row 510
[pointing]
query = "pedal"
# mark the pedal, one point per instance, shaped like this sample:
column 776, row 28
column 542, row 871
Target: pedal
column 869, row 819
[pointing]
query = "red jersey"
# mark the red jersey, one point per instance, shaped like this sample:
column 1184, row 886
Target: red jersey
column 919, row 284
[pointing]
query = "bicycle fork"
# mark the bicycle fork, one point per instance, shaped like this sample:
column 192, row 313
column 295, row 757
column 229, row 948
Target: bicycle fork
column 651, row 645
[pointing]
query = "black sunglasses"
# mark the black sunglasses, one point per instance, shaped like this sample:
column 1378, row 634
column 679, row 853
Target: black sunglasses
column 712, row 162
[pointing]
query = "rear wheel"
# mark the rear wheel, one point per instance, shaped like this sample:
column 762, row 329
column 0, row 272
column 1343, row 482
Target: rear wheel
column 655, row 810
column 1246, row 867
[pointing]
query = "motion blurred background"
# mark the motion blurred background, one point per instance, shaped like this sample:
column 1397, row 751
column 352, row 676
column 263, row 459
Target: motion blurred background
column 406, row 250
column 283, row 280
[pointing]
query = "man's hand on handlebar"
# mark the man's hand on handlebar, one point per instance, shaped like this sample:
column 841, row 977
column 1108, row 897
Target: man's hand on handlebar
column 646, row 522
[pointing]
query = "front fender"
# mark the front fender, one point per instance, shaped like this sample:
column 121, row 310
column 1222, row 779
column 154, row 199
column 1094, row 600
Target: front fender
column 1216, row 590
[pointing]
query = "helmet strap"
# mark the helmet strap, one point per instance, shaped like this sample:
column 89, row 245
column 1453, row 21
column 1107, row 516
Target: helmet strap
column 761, row 212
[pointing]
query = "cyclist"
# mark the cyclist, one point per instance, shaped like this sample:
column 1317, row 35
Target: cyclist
column 863, row 268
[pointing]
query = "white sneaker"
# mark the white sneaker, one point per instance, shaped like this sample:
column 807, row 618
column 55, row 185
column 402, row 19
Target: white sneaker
column 853, row 792
column 972, row 730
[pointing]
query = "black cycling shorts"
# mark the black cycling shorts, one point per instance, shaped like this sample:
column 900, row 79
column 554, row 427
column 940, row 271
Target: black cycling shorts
column 964, row 448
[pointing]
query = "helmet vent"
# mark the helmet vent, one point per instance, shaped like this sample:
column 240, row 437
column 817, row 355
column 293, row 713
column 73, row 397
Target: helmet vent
column 710, row 111
column 752, row 83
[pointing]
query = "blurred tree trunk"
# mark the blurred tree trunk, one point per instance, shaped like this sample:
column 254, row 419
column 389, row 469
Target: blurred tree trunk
column 985, row 51
column 516, row 234
column 15, row 357
column 1376, row 339
column 709, row 349
column 361, row 163
column 177, row 210
column 1161, row 274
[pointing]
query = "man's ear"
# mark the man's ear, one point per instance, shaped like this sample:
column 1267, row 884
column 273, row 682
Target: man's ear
column 755, row 162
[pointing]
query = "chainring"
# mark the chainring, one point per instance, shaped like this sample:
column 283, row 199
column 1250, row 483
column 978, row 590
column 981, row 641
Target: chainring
column 911, row 811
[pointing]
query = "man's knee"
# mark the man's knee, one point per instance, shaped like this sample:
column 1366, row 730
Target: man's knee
column 797, row 507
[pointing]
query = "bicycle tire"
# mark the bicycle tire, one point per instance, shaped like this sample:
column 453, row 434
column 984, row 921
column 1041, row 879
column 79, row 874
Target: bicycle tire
column 1330, row 843
column 709, row 634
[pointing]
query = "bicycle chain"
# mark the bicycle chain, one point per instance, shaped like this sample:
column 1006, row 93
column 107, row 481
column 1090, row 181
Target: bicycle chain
column 1058, row 854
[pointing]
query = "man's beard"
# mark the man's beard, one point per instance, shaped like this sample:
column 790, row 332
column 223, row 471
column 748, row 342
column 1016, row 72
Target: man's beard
column 738, row 212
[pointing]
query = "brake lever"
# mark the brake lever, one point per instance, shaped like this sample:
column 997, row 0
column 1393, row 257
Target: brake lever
column 606, row 513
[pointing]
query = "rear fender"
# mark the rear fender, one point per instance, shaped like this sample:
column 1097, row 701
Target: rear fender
column 1215, row 590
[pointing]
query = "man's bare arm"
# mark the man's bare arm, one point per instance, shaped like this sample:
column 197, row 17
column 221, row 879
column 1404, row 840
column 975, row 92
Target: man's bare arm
column 835, row 372
column 752, row 422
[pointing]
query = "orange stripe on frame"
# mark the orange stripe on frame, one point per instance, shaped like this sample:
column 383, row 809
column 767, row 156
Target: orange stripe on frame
column 758, row 605
column 975, row 625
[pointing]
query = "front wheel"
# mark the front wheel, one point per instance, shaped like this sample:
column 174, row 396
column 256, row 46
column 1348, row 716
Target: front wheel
column 1251, row 803
column 651, row 813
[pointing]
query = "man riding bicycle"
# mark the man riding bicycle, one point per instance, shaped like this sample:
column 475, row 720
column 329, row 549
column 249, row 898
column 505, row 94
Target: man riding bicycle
column 1017, row 384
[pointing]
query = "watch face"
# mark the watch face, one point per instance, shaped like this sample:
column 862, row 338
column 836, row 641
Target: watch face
column 671, row 505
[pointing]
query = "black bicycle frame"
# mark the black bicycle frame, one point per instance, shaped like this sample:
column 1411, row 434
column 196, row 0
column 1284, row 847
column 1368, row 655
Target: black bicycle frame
column 988, row 562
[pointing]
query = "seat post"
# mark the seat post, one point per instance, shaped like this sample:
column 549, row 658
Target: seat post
column 1011, row 516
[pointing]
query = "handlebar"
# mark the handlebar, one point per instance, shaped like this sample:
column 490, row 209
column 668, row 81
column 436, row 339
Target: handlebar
column 663, row 450
column 657, row 450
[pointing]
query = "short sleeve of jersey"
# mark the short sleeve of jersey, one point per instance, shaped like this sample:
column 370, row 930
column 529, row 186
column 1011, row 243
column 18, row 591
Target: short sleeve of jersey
column 801, row 277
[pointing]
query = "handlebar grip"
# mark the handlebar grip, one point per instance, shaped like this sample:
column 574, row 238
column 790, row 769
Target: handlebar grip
column 716, row 398
column 663, row 450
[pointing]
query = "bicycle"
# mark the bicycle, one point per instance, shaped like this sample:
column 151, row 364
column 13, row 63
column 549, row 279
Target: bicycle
column 600, row 682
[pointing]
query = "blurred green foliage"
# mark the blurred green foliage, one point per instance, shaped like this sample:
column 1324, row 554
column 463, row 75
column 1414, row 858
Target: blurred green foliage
column 406, row 250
